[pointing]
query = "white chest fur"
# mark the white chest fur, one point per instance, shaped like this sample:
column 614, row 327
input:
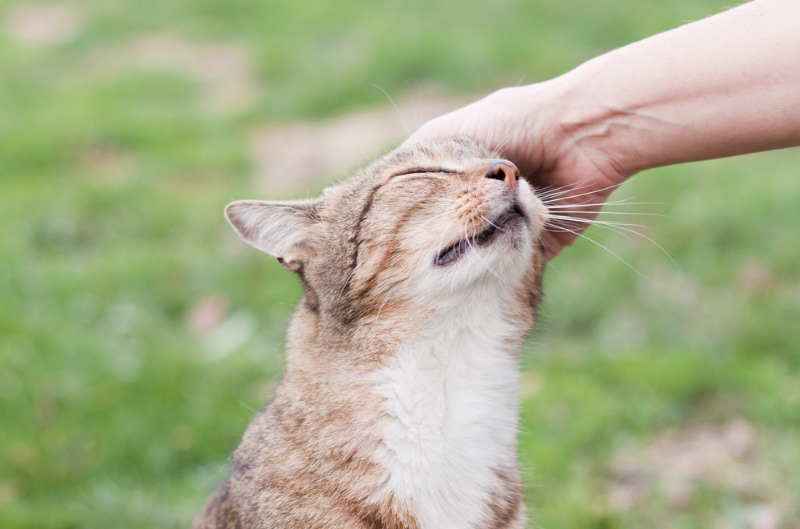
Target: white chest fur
column 450, row 407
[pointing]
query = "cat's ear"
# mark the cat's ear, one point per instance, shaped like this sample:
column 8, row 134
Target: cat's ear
column 286, row 230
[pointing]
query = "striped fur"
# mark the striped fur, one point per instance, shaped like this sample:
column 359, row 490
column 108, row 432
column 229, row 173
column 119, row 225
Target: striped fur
column 398, row 409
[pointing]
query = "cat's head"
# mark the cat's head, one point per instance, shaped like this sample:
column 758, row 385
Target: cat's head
column 426, row 228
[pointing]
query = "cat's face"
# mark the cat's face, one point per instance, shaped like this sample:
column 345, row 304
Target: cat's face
column 423, row 227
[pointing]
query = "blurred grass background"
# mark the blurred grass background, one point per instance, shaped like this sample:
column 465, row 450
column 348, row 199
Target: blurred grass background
column 117, row 405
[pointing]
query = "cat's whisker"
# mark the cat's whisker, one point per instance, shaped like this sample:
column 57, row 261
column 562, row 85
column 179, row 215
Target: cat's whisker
column 463, row 185
column 604, row 212
column 566, row 195
column 593, row 222
column 623, row 228
column 386, row 299
column 559, row 189
column 347, row 282
column 435, row 218
column 622, row 202
column 444, row 233
column 555, row 192
column 510, row 136
column 492, row 224
column 471, row 244
column 617, row 256
column 466, row 235
column 569, row 211
column 590, row 222
column 399, row 114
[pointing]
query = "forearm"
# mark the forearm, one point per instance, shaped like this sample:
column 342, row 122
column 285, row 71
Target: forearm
column 726, row 85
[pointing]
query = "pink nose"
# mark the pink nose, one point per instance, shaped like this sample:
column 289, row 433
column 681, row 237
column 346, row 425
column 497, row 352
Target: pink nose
column 505, row 171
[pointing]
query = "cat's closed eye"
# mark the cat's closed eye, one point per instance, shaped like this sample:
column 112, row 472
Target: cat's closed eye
column 419, row 171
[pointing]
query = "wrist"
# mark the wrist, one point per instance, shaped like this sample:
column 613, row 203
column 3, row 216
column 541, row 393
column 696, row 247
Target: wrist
column 598, row 122
column 565, row 118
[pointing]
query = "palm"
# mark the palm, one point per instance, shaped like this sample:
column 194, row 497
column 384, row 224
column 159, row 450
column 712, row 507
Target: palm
column 572, row 182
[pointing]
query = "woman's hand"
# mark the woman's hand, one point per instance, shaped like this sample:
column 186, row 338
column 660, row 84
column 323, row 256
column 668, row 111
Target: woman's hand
column 524, row 126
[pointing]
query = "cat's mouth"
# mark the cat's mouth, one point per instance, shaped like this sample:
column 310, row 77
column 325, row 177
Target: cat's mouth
column 452, row 253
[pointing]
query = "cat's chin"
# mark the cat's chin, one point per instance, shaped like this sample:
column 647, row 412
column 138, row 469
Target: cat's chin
column 514, row 215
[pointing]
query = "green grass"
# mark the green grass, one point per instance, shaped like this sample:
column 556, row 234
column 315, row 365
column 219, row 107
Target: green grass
column 113, row 175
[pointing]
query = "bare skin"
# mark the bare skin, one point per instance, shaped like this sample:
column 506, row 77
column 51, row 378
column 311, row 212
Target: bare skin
column 725, row 85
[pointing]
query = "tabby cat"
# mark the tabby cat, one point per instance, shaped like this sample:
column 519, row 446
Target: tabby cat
column 398, row 409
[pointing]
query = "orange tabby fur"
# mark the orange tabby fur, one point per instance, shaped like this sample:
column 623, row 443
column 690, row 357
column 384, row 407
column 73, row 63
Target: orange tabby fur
column 335, row 447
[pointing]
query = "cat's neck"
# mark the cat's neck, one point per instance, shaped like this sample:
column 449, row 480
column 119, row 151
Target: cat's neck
column 442, row 405
column 450, row 407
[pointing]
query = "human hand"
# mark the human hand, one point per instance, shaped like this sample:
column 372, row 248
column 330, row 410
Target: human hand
column 525, row 125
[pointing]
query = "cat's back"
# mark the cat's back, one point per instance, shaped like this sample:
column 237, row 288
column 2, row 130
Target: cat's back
column 298, row 467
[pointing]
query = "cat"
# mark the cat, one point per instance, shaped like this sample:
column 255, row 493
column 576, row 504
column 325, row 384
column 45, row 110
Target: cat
column 421, row 275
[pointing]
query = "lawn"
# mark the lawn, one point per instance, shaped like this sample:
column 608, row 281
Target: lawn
column 138, row 335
